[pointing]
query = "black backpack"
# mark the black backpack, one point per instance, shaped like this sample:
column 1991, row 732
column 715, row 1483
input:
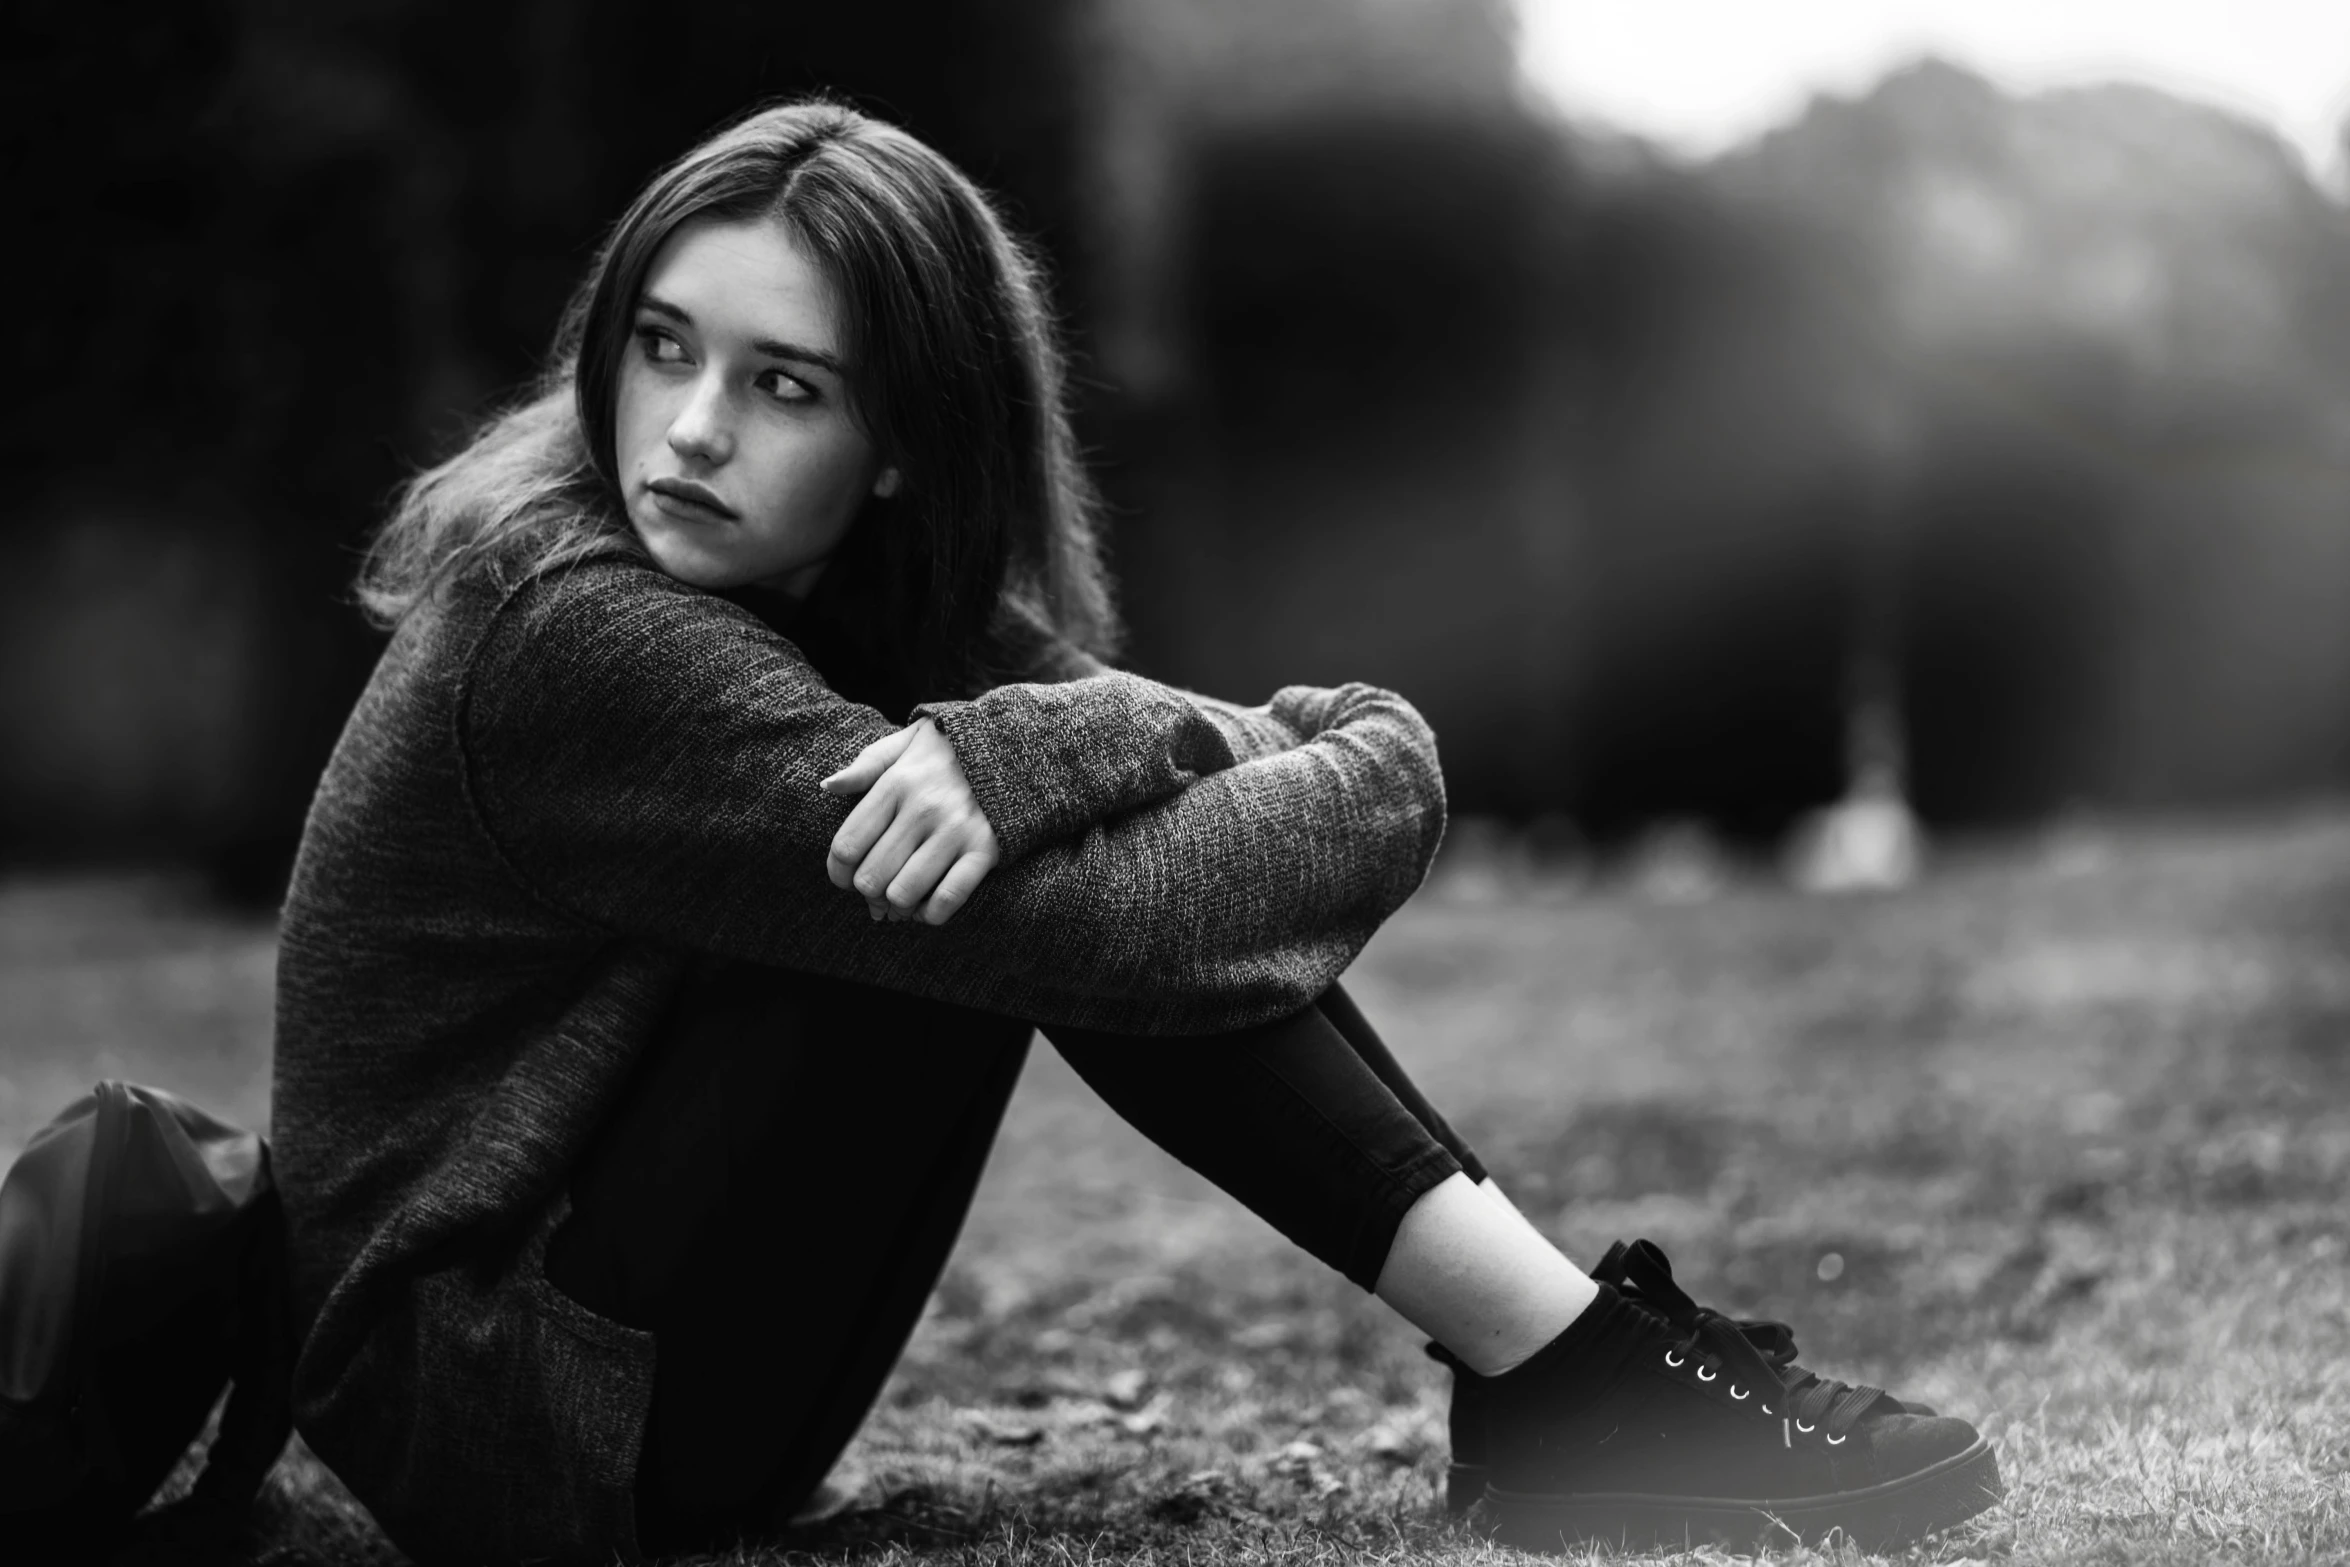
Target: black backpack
column 142, row 1269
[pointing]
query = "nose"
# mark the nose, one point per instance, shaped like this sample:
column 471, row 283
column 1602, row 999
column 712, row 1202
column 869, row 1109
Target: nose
column 701, row 433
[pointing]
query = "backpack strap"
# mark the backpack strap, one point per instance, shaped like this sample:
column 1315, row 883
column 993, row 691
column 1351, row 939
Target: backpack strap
column 208, row 1524
column 259, row 1415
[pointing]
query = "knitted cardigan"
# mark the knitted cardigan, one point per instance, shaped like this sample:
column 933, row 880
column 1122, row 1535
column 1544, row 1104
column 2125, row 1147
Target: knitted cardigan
column 553, row 792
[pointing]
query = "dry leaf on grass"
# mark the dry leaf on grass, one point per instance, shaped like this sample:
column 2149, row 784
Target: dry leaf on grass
column 1301, row 1461
column 1394, row 1441
column 1194, row 1497
column 993, row 1428
column 1148, row 1419
column 1125, row 1389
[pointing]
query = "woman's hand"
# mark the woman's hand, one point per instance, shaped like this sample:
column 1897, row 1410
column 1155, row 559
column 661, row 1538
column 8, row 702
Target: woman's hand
column 917, row 845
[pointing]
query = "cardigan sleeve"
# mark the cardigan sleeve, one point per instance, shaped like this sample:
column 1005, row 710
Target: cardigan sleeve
column 645, row 758
column 1249, row 732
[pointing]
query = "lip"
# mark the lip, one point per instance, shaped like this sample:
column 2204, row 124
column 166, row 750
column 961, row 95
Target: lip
column 685, row 498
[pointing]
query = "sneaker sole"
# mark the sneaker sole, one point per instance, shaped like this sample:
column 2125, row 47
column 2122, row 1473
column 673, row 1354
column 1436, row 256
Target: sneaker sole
column 1878, row 1518
column 1464, row 1484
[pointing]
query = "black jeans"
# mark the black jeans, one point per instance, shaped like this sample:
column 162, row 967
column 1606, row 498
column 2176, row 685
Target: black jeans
column 778, row 1193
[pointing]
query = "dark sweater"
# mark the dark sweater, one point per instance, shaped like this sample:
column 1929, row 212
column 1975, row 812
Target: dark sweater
column 550, row 796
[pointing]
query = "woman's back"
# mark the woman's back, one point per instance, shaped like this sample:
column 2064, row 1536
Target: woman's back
column 444, row 1041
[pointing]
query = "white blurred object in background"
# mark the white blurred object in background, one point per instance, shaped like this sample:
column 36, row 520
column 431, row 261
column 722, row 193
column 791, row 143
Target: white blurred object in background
column 1870, row 840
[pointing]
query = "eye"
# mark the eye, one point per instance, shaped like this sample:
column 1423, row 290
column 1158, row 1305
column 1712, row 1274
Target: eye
column 659, row 346
column 784, row 387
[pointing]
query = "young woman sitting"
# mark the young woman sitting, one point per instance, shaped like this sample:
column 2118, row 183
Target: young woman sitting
column 742, row 785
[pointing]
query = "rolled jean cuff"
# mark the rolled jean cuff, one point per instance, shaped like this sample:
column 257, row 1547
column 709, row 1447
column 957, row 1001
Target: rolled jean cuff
column 1376, row 1224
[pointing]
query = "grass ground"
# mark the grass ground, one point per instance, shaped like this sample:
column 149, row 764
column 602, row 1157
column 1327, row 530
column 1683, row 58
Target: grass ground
column 2059, row 1140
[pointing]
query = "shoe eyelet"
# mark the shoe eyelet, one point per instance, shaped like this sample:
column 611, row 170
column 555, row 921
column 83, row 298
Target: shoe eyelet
column 1734, row 1393
column 1670, row 1361
column 1766, row 1409
column 1704, row 1375
column 1800, row 1426
column 1835, row 1441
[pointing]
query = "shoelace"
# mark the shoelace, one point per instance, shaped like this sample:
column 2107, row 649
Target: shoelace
column 1642, row 1275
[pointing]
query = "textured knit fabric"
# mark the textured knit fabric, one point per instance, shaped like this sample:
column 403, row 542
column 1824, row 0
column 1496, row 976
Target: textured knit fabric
column 553, row 794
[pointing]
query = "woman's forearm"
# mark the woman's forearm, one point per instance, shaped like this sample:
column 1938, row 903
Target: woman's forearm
column 1250, row 732
column 651, row 766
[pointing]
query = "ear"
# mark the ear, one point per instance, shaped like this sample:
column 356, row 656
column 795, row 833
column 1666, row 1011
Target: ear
column 887, row 484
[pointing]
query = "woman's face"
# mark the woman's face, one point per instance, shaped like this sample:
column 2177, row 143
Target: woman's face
column 738, row 459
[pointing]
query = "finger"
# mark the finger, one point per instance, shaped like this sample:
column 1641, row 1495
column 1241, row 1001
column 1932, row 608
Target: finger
column 870, row 764
column 919, row 876
column 887, row 857
column 867, row 821
column 956, row 886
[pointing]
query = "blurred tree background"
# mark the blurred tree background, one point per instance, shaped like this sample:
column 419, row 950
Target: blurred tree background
column 2034, row 412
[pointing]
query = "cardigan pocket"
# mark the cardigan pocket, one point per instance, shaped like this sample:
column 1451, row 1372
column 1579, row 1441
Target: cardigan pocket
column 494, row 1419
column 598, row 1386
column 567, row 1312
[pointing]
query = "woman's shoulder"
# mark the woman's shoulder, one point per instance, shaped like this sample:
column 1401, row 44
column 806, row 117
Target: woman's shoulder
column 609, row 590
column 602, row 572
column 605, row 632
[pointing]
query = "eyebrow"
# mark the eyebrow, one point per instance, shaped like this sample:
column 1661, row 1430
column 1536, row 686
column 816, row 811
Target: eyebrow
column 771, row 347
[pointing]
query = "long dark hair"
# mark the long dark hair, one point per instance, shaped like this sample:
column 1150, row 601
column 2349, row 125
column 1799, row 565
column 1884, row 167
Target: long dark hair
column 956, row 374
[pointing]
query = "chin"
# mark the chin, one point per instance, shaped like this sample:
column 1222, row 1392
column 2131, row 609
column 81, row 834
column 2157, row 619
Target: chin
column 683, row 558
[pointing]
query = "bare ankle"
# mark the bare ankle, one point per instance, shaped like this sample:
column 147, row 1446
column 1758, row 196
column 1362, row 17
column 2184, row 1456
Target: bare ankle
column 1473, row 1275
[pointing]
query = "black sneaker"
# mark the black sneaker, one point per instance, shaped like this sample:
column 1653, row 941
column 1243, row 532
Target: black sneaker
column 1465, row 1476
column 1637, row 1271
column 1682, row 1430
column 1641, row 1271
